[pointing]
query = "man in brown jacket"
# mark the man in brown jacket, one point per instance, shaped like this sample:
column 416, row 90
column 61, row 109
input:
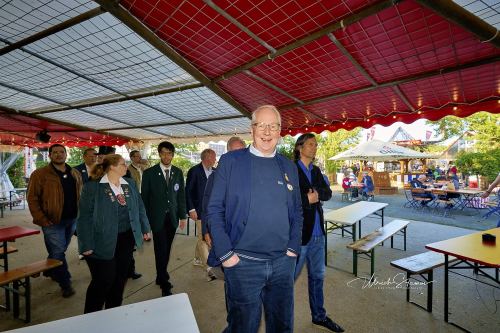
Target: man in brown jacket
column 53, row 194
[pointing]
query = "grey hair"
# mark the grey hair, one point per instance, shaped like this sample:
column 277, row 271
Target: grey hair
column 206, row 152
column 270, row 107
column 234, row 139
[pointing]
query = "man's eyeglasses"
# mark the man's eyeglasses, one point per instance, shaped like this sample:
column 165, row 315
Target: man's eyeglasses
column 274, row 127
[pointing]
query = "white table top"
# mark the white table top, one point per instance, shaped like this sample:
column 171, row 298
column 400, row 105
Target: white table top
column 351, row 214
column 162, row 315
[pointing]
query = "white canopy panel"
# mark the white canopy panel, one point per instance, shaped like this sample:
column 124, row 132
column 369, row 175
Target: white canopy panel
column 376, row 150
column 100, row 74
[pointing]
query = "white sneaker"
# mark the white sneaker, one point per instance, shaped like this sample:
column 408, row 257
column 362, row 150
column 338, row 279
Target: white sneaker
column 197, row 262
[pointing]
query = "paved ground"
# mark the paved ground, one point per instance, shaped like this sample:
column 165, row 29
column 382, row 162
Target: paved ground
column 357, row 307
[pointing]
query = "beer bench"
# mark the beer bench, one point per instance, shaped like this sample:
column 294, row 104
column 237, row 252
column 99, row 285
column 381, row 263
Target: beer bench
column 423, row 263
column 366, row 245
column 16, row 277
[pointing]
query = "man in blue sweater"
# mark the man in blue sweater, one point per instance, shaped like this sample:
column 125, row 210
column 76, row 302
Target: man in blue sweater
column 255, row 219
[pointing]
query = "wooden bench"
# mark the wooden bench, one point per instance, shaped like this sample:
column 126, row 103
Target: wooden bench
column 423, row 263
column 15, row 276
column 366, row 245
column 10, row 249
column 387, row 190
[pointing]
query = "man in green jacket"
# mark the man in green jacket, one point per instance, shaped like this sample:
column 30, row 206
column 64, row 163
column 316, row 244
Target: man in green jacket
column 164, row 198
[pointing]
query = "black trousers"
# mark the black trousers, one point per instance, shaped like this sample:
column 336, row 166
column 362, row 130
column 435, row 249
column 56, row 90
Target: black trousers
column 109, row 276
column 162, row 241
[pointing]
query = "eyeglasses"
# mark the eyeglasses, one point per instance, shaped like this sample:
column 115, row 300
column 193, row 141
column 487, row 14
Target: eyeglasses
column 274, row 127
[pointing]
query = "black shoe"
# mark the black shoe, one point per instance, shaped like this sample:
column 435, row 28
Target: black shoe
column 166, row 292
column 68, row 292
column 135, row 275
column 328, row 324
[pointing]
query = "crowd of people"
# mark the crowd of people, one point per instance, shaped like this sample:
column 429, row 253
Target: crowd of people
column 258, row 216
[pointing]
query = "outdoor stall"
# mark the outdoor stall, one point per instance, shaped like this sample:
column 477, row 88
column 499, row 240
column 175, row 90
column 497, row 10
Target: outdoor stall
column 379, row 151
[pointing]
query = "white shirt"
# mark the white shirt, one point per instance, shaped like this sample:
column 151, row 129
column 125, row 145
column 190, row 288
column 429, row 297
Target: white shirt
column 164, row 170
column 116, row 189
column 208, row 171
column 256, row 152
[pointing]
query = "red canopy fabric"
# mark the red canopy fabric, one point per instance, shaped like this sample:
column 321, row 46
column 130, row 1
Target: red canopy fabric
column 21, row 131
column 401, row 63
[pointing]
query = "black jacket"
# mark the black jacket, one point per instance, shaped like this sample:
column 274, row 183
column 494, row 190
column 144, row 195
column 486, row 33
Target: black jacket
column 309, row 210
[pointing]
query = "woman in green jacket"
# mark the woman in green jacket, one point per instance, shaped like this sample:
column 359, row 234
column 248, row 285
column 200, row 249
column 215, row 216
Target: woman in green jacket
column 112, row 220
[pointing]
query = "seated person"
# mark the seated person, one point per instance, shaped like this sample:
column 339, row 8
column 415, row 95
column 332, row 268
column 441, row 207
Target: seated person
column 419, row 183
column 452, row 185
column 354, row 190
column 368, row 185
column 346, row 184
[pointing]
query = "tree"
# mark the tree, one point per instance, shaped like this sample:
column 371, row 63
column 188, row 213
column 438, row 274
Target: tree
column 485, row 164
column 286, row 147
column 16, row 173
column 484, row 126
column 333, row 143
column 75, row 155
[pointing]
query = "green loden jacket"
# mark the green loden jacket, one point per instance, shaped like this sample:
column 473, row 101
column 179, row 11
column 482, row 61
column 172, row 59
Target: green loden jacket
column 159, row 198
column 97, row 224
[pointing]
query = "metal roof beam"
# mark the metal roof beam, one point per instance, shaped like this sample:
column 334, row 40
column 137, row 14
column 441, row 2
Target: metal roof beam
column 367, row 12
column 88, row 79
column 413, row 78
column 110, row 100
column 283, row 92
column 142, row 30
column 462, row 17
column 82, row 128
column 239, row 25
column 52, row 30
column 353, row 61
column 175, row 123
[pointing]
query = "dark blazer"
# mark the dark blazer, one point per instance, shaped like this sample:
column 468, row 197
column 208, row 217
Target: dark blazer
column 229, row 203
column 159, row 198
column 309, row 210
column 195, row 187
column 97, row 224
column 83, row 171
column 204, row 203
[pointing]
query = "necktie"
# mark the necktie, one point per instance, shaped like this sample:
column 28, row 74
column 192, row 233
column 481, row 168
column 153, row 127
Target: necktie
column 167, row 175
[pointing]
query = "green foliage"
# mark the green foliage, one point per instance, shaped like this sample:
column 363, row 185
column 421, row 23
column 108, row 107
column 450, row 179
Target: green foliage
column 434, row 149
column 485, row 127
column 333, row 143
column 448, row 126
column 75, row 155
column 16, row 173
column 182, row 163
column 485, row 164
column 285, row 148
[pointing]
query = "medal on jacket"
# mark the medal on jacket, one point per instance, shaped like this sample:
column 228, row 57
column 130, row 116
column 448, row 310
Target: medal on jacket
column 286, row 178
column 121, row 199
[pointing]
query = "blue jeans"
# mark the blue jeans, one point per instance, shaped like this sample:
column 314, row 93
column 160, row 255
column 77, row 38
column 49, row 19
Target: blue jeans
column 57, row 238
column 251, row 283
column 314, row 254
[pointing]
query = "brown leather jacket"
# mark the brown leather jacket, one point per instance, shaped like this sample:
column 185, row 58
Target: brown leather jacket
column 46, row 197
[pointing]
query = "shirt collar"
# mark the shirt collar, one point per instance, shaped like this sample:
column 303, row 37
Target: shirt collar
column 303, row 166
column 164, row 168
column 105, row 180
column 256, row 152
